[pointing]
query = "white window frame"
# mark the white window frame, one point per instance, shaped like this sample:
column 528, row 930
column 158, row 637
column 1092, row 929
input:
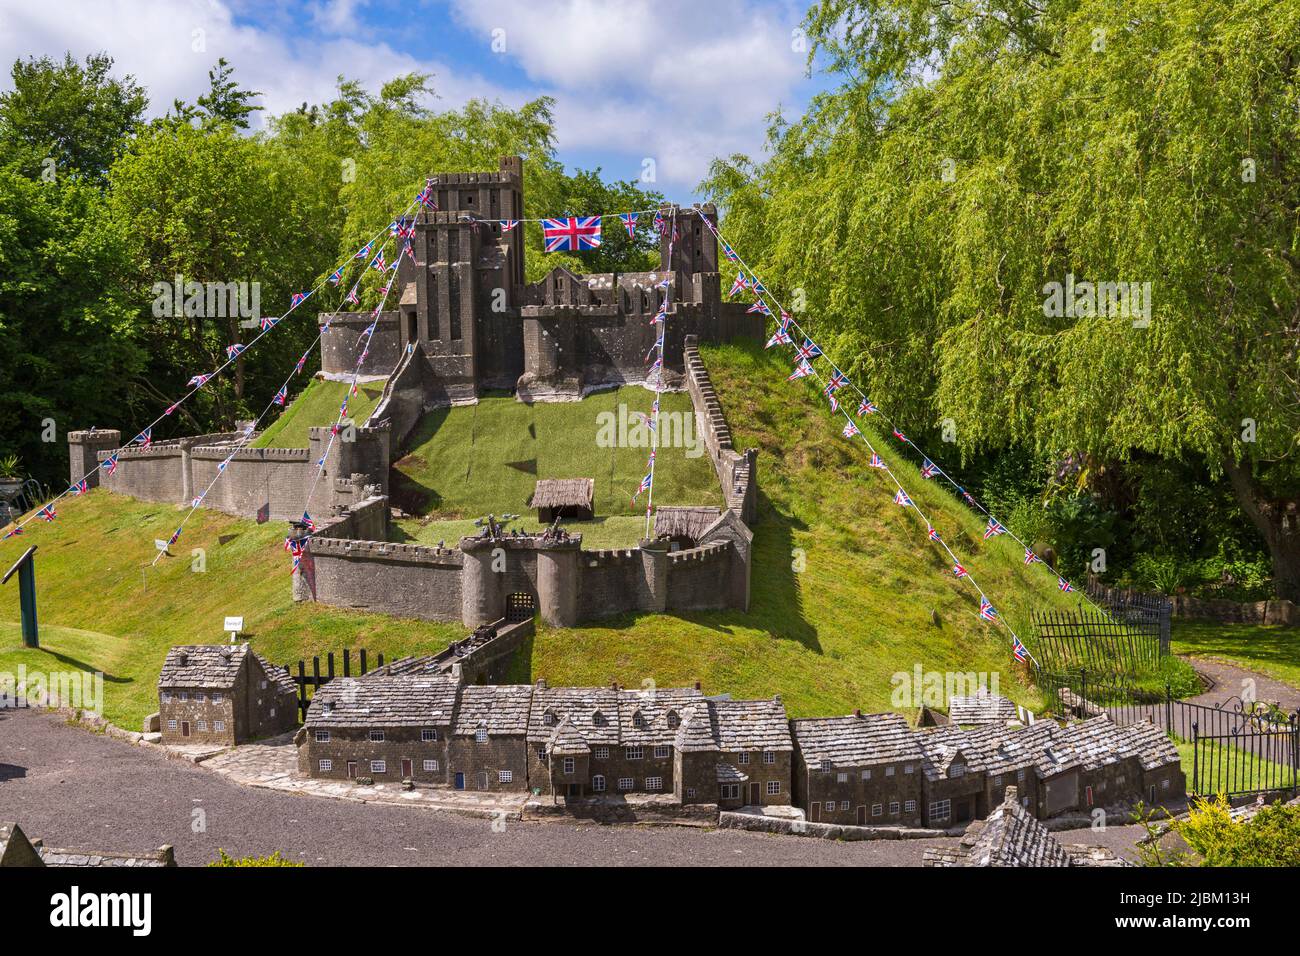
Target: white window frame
column 940, row 810
column 893, row 808
column 877, row 809
column 203, row 726
column 742, row 757
column 326, row 765
column 625, row 784
column 907, row 768
column 376, row 736
column 634, row 753
column 602, row 753
column 598, row 783
column 662, row 751
column 480, row 735
column 171, row 725
column 322, row 736
column 428, row 735
column 866, row 775
column 909, row 806
column 774, row 788
column 654, row 784
column 569, row 765
column 769, row 756
column 505, row 776
column 729, row 791
column 841, row 778
column 216, row 698
column 379, row 766
column 541, row 755
column 430, row 766
column 219, row 725
column 889, row 771
column 844, row 805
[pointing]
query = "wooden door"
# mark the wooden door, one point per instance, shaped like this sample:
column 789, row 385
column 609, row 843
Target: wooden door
column 185, row 728
column 406, row 767
column 352, row 770
column 862, row 815
column 755, row 794
column 815, row 813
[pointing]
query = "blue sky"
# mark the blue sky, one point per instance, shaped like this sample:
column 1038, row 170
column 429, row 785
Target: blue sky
column 676, row 82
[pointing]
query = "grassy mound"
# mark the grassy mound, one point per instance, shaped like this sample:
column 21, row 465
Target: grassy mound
column 318, row 405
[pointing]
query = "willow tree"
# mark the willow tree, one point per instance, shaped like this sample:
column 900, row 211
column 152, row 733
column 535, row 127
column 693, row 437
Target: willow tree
column 979, row 159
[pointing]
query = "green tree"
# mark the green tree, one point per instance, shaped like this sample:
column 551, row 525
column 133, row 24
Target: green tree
column 974, row 155
column 77, row 115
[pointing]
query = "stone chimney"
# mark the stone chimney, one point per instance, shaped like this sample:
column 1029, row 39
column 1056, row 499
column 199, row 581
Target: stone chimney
column 858, row 713
column 541, row 683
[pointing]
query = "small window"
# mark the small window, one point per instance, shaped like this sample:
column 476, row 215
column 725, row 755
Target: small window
column 203, row 725
column 690, row 793
column 598, row 719
column 378, row 766
column 889, row 771
column 893, row 807
column 654, row 783
column 322, row 736
column 200, row 697
column 909, row 806
column 940, row 810
column 480, row 735
column 841, row 778
column 602, row 753
column 272, row 712
column 598, row 784
column 165, row 696
column 638, row 720
column 773, row 787
column 505, row 776
column 263, row 685
column 1164, row 784
column 541, row 755
column 742, row 757
column 997, row 779
column 431, row 766
column 907, row 768
column 171, row 725
column 549, row 719
column 769, row 756
column 844, row 804
column 326, row 765
column 625, row 783
column 377, row 736
column 730, row 791
column 673, row 719
column 877, row 809
column 428, row 734
column 662, row 751
column 1020, row 776
column 218, row 725
column 216, row 698
column 185, row 695
column 568, row 765
column 957, row 770
column 635, row 753
column 866, row 775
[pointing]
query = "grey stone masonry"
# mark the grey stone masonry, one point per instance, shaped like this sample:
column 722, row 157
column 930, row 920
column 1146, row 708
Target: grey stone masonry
column 979, row 709
column 1010, row 836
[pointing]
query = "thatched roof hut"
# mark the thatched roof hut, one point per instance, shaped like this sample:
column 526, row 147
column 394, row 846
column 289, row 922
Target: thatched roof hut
column 563, row 498
column 683, row 523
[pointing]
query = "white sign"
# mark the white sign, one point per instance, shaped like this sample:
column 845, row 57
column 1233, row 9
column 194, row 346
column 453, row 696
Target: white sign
column 234, row 624
column 160, row 544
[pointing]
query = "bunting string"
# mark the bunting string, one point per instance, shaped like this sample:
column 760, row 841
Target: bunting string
column 806, row 354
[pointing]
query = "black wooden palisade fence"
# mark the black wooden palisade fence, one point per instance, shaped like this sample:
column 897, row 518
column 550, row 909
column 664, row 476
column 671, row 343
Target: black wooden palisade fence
column 315, row 680
column 1237, row 749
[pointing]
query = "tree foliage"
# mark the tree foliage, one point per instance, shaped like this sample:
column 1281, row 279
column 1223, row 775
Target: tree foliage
column 975, row 153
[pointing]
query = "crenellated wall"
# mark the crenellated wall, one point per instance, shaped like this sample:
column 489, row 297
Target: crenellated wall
column 735, row 471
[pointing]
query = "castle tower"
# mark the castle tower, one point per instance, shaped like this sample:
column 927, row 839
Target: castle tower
column 696, row 250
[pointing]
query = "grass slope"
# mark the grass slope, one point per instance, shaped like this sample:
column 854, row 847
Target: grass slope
column 832, row 636
column 464, row 462
column 318, row 405
column 102, row 608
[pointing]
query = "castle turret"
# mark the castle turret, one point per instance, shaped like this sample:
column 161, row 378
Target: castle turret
column 83, row 451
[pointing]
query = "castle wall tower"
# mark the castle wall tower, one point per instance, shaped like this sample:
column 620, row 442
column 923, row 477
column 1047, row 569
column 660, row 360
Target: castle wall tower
column 83, row 450
column 696, row 250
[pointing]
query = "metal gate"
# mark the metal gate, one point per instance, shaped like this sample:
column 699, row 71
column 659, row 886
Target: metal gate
column 520, row 606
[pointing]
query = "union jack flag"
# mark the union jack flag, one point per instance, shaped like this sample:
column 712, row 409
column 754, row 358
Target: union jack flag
column 352, row 296
column 992, row 529
column 1065, row 586
column 408, row 250
column 649, row 422
column 664, row 283
column 970, row 500
column 986, row 610
column 80, row 488
column 933, row 533
column 808, row 350
column 656, row 365
column 297, row 369
column 959, row 571
column 835, row 404
column 660, row 224
column 902, row 499
column 574, row 234
column 659, row 343
column 508, row 224
column 221, row 466
column 109, row 464
column 740, row 285
column 234, row 350
column 175, row 534
column 877, row 461
column 295, row 548
column 1030, row 557
column 268, row 322
column 145, row 438
column 195, row 502
column 929, row 469
column 364, row 251
column 282, row 395
column 729, row 253
column 1018, row 650
column 629, row 223
column 850, row 430
column 867, row 408
column 198, row 380
column 336, row 276
column 801, row 370
column 17, row 530
column 758, row 287
column 760, row 306
column 425, row 196
column 780, row 337
column 171, row 408
column 836, row 382
column 378, row 261
column 899, row 435
column 306, row 520
column 48, row 513
column 297, row 299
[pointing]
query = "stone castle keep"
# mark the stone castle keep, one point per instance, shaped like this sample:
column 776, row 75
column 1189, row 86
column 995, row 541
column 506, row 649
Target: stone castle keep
column 466, row 321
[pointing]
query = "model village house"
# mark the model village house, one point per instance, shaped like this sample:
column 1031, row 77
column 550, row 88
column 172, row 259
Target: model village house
column 413, row 720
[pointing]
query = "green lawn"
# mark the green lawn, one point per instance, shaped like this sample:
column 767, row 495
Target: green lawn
column 1271, row 650
column 318, row 405
column 465, row 462
column 615, row 531
column 102, row 608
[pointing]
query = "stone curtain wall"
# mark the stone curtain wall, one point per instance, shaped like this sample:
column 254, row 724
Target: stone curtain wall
column 162, row 472
column 340, row 345
column 403, row 580
column 736, row 472
column 274, row 479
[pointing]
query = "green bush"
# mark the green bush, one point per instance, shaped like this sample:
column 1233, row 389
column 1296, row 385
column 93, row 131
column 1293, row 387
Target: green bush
column 1270, row 838
column 275, row 859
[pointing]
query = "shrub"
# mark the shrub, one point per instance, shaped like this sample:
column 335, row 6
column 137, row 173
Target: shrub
column 275, row 859
column 1270, row 838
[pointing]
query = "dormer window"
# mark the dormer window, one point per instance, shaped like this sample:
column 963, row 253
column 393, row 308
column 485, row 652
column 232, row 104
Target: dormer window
column 673, row 719
column 957, row 769
column 549, row 718
column 480, row 734
column 638, row 720
column 598, row 719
